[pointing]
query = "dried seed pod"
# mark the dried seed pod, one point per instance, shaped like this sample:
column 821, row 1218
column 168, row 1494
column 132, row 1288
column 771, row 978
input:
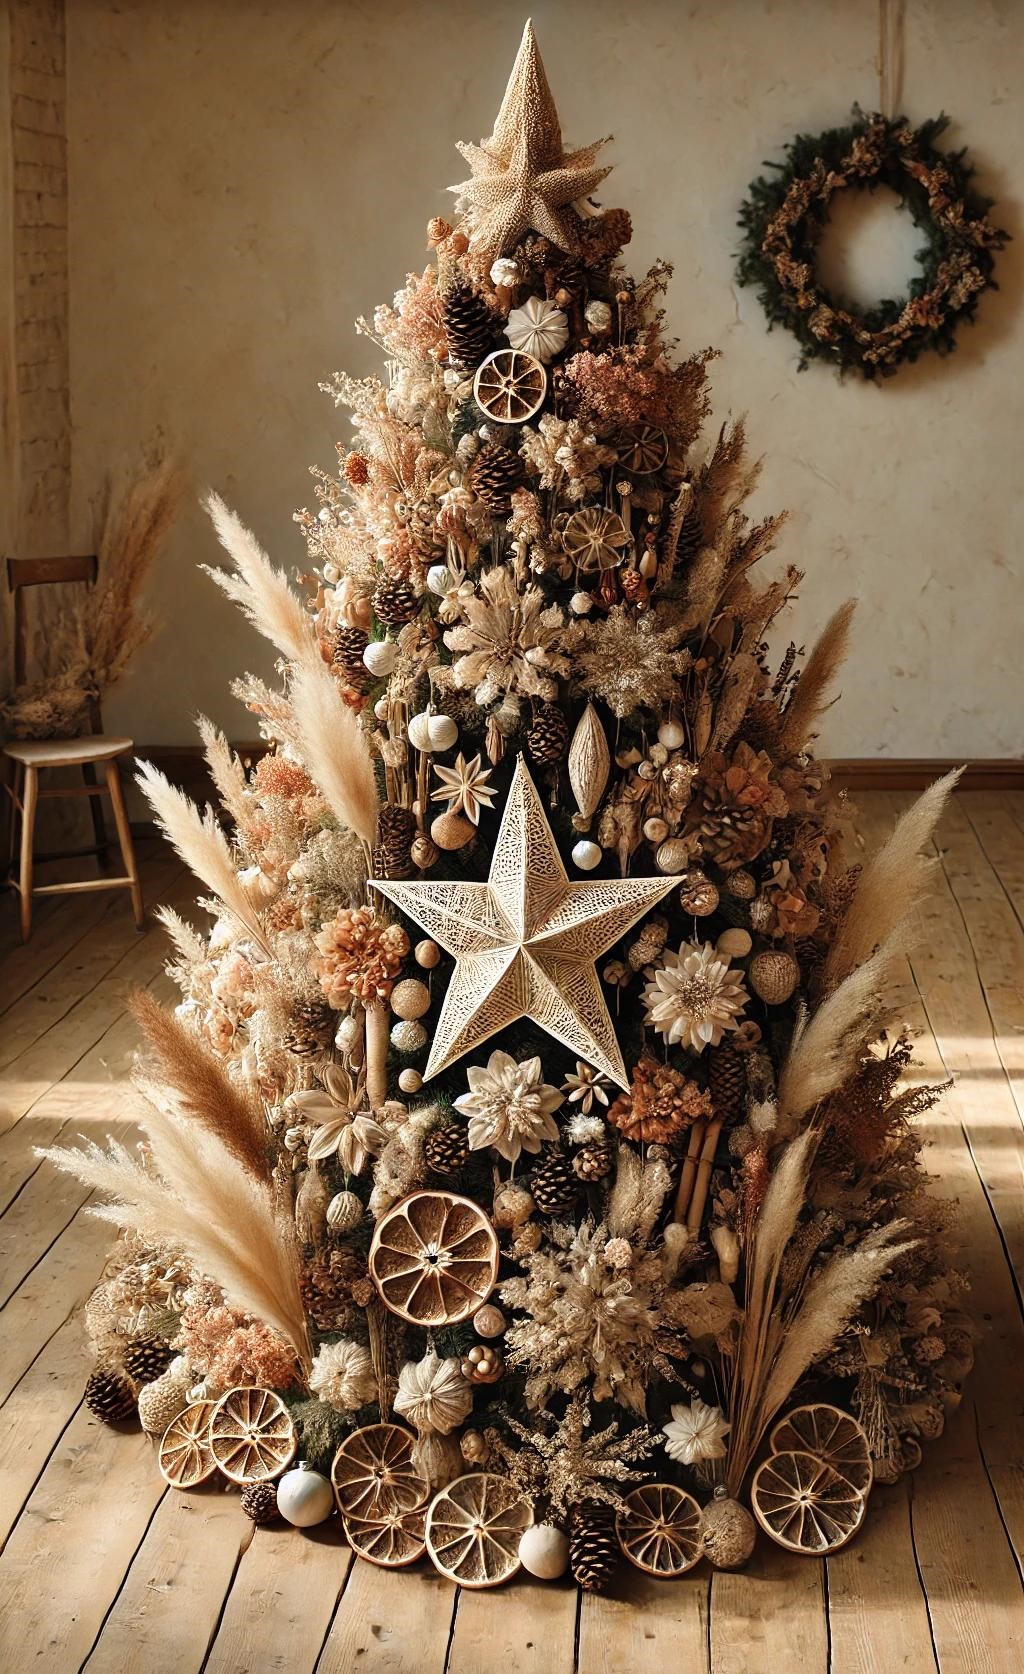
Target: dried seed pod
column 589, row 762
column 773, row 976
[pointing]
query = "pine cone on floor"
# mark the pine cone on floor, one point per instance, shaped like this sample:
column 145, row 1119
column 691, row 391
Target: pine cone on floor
column 727, row 1082
column 347, row 656
column 109, row 1395
column 310, row 1029
column 147, row 1359
column 446, row 1150
column 469, row 325
column 553, row 1183
column 593, row 1162
column 547, row 738
column 394, row 602
column 497, row 472
column 259, row 1501
column 593, row 1546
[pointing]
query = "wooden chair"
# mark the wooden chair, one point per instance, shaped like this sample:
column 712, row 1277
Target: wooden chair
column 30, row 757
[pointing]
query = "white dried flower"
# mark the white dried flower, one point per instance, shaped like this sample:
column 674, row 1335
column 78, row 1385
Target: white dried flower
column 584, row 1130
column 618, row 1253
column 433, row 1394
column 695, row 1433
column 585, row 1086
column 694, row 997
column 509, row 1106
column 342, row 1375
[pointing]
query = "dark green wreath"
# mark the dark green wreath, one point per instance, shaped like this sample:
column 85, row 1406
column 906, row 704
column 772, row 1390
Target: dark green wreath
column 786, row 213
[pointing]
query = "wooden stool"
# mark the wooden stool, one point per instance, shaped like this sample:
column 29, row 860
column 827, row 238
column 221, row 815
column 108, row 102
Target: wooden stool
column 30, row 757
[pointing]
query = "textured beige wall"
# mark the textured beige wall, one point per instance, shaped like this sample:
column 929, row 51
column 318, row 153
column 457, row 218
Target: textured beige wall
column 246, row 178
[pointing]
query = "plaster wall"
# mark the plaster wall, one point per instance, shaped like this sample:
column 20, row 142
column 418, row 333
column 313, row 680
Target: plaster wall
column 247, row 178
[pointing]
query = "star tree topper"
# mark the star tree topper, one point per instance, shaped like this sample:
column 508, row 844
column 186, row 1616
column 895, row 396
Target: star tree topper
column 521, row 176
column 525, row 941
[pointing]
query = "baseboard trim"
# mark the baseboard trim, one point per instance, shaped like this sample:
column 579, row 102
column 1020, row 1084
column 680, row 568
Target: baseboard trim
column 915, row 773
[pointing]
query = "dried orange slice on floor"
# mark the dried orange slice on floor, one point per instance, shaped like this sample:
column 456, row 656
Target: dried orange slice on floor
column 373, row 1474
column 474, row 1527
column 252, row 1437
column 392, row 1543
column 184, row 1455
column 804, row 1504
column 434, row 1258
column 832, row 1435
column 658, row 1527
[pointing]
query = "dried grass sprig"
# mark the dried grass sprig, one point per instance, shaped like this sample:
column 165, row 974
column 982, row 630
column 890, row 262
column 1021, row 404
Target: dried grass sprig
column 202, row 845
column 827, row 1042
column 202, row 1089
column 812, row 694
column 890, row 885
column 333, row 748
column 189, row 945
column 227, row 773
column 261, row 591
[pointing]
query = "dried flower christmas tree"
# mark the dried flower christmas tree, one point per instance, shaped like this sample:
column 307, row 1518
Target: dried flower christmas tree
column 537, row 973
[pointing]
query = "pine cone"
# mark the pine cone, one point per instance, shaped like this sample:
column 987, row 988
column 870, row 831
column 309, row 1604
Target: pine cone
column 259, row 1501
column 109, row 1395
column 727, row 1082
column 396, row 828
column 553, row 1183
column 446, row 1150
column 593, row 1162
column 146, row 1360
column 593, row 1546
column 347, row 655
column 394, row 602
column 547, row 738
column 469, row 324
column 497, row 472
column 310, row 1029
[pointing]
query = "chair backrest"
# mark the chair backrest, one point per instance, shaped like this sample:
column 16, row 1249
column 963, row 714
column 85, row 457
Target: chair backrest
column 42, row 572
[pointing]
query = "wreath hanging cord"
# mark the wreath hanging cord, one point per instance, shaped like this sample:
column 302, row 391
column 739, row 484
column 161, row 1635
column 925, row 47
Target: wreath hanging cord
column 787, row 212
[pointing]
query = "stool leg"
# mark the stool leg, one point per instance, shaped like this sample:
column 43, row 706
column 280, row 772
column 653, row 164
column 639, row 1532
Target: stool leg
column 124, row 833
column 13, row 783
column 28, row 821
column 98, row 823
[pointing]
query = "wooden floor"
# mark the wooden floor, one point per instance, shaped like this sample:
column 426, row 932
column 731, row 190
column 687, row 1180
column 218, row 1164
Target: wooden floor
column 104, row 1569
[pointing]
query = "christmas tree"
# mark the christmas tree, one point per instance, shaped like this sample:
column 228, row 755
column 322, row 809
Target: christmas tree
column 532, row 1148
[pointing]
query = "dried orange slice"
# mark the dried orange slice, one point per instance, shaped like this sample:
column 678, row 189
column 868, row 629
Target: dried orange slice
column 658, row 1527
column 252, row 1437
column 510, row 386
column 832, row 1435
column 804, row 1504
column 373, row 1474
column 392, row 1543
column 434, row 1258
column 474, row 1527
column 184, row 1456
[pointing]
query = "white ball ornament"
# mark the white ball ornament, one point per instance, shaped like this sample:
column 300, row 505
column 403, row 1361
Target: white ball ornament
column 408, row 1036
column 380, row 657
column 347, row 1033
column 380, row 709
column 544, row 1551
column 304, row 1497
column 439, row 579
column 410, row 999
column 344, row 1212
column 410, row 1080
column 429, row 732
column 672, row 735
column 427, row 955
column 586, row 855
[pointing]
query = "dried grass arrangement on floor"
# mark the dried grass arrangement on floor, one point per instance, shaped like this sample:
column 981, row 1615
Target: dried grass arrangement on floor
column 535, row 1127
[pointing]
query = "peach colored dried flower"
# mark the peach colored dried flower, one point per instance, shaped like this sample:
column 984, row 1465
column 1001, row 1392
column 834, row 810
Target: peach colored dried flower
column 277, row 776
column 361, row 956
column 231, row 1348
column 414, row 325
column 356, row 469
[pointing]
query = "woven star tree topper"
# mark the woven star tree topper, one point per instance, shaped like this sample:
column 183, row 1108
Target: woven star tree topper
column 525, row 941
column 522, row 178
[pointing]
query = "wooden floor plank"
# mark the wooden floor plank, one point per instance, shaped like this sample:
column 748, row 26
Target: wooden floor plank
column 281, row 1602
column 390, row 1622
column 770, row 1616
column 166, row 1614
column 877, row 1610
column 527, row 1628
column 33, row 1418
column 1002, row 840
column 66, row 1559
column 646, row 1626
column 43, row 1301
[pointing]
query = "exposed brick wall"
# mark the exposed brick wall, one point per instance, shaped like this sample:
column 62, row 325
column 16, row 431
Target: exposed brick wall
column 40, row 273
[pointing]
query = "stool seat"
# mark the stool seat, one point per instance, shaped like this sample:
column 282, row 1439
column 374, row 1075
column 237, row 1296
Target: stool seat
column 66, row 752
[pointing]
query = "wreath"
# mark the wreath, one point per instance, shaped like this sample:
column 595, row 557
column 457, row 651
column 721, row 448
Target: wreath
column 786, row 213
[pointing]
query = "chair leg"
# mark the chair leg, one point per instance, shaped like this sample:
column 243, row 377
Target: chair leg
column 12, row 787
column 124, row 833
column 99, row 824
column 28, row 821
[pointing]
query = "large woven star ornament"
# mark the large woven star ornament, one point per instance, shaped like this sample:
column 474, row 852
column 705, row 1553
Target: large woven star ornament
column 525, row 942
column 521, row 176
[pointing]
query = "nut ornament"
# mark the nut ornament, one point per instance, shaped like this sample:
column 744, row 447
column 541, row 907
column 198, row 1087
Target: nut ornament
column 658, row 1528
column 474, row 1527
column 434, row 1258
column 252, row 1437
column 373, row 1474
